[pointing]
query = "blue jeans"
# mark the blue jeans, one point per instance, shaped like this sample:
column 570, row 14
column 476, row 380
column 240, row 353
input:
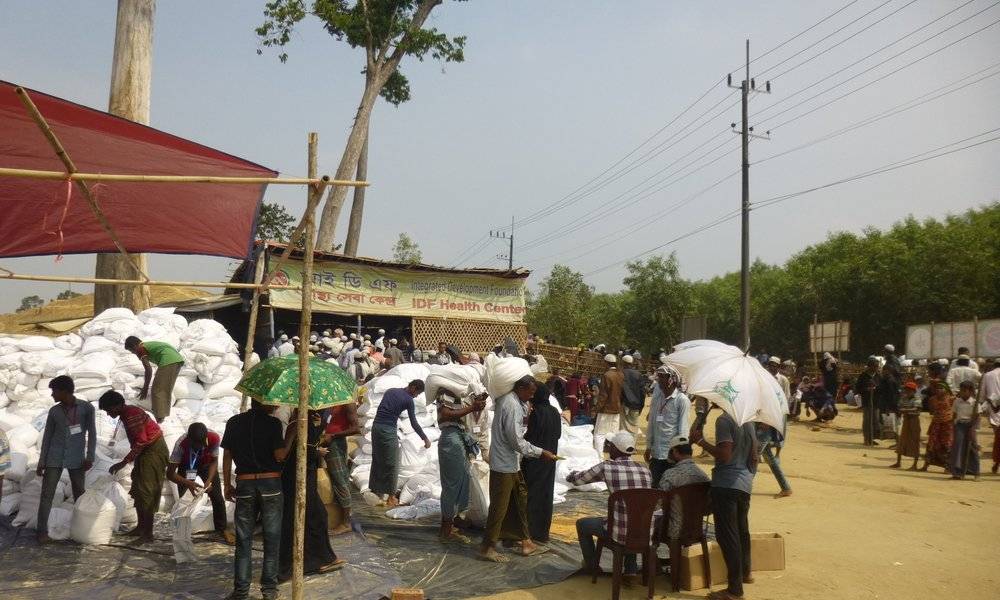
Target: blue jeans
column 253, row 497
column 589, row 527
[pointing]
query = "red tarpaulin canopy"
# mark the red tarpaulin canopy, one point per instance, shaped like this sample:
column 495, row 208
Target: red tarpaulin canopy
column 172, row 218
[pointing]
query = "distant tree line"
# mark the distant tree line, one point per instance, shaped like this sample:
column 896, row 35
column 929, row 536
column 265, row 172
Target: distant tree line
column 879, row 281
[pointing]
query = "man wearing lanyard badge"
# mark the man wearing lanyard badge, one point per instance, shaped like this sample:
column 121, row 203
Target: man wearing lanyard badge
column 70, row 429
column 668, row 417
column 196, row 454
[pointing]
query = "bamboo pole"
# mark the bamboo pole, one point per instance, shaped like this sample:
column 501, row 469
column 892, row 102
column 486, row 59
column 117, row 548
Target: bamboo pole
column 77, row 176
column 206, row 284
column 252, row 325
column 298, row 539
column 50, row 135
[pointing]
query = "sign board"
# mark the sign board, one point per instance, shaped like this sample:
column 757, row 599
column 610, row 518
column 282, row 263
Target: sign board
column 694, row 328
column 942, row 340
column 352, row 288
column 834, row 336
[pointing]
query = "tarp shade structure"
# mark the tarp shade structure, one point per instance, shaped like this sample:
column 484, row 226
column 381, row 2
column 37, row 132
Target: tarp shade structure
column 169, row 218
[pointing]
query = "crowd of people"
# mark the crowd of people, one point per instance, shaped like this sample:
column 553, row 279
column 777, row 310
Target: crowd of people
column 258, row 449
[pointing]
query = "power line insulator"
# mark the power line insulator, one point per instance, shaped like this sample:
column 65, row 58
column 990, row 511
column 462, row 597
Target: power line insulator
column 768, row 87
column 753, row 84
column 729, row 79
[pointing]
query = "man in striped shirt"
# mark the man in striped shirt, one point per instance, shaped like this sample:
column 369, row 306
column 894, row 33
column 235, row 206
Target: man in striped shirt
column 619, row 473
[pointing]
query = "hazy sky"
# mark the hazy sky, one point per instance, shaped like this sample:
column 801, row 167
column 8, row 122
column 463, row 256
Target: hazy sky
column 552, row 94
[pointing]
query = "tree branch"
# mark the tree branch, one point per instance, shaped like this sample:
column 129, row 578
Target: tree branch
column 369, row 43
column 419, row 17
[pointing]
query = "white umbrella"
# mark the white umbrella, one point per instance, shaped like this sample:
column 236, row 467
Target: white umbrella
column 732, row 380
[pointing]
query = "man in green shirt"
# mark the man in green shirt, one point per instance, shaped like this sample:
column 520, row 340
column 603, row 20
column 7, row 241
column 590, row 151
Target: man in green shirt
column 168, row 363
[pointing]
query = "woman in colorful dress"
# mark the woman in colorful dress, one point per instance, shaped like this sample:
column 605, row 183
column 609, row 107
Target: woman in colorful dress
column 939, row 434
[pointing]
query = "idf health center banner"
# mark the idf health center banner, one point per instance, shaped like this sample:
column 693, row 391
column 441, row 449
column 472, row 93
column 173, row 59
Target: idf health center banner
column 351, row 288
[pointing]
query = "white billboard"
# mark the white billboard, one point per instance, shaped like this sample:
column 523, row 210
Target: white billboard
column 942, row 340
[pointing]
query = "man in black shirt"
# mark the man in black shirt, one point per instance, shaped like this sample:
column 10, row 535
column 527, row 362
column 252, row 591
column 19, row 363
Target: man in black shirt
column 255, row 442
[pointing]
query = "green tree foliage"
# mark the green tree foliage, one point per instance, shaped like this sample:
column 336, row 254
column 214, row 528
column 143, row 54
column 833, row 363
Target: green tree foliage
column 274, row 223
column 560, row 309
column 879, row 281
column 29, row 302
column 657, row 298
column 67, row 294
column 405, row 250
column 387, row 31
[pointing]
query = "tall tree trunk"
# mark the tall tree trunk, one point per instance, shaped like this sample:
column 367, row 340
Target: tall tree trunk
column 348, row 165
column 358, row 206
column 131, row 75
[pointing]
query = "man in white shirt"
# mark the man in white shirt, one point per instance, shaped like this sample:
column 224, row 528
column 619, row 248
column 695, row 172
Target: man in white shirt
column 961, row 372
column 989, row 398
column 287, row 347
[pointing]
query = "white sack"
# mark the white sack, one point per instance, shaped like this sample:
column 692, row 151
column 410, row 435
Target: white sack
column 93, row 518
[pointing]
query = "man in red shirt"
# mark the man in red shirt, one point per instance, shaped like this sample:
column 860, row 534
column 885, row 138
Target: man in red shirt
column 148, row 455
column 195, row 455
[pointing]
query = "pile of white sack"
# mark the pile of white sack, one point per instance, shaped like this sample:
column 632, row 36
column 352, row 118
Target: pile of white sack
column 418, row 473
column 96, row 359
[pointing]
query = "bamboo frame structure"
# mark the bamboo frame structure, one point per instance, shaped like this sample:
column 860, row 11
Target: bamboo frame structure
column 60, row 151
column 8, row 274
column 315, row 186
column 302, row 417
column 77, row 176
column 252, row 325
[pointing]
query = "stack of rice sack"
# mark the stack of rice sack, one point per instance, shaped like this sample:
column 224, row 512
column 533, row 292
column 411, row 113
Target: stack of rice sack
column 96, row 359
column 419, row 477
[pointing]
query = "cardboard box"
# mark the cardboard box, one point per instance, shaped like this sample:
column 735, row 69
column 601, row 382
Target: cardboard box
column 767, row 553
column 692, row 567
column 407, row 594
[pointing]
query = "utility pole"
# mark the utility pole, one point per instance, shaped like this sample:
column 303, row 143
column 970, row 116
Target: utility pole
column 746, row 87
column 503, row 236
column 131, row 75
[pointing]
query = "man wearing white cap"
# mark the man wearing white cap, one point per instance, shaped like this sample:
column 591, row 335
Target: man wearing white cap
column 608, row 408
column 619, row 472
column 684, row 472
column 669, row 416
column 393, row 356
column 286, row 347
column 380, row 340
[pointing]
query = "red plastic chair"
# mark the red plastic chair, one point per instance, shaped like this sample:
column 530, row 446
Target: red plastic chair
column 694, row 507
column 640, row 504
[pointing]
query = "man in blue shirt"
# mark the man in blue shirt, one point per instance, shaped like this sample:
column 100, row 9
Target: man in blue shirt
column 668, row 418
column 69, row 442
column 385, row 440
column 736, row 454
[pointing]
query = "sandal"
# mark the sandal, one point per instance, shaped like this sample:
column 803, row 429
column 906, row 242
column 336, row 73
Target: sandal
column 534, row 551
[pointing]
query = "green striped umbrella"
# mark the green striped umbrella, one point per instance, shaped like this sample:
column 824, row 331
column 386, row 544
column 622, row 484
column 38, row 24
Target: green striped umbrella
column 275, row 381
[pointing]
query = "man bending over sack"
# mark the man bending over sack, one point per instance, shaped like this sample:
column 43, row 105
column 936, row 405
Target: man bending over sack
column 195, row 455
column 168, row 363
column 149, row 457
column 69, row 442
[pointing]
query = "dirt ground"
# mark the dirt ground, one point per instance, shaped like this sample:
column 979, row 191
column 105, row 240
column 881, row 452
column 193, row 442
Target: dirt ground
column 855, row 529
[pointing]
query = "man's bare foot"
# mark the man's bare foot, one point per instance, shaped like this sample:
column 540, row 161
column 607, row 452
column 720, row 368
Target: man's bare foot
column 913, row 468
column 924, row 468
column 43, row 538
column 455, row 538
column 227, row 537
column 392, row 502
column 135, row 532
column 491, row 555
column 784, row 494
column 895, row 465
column 341, row 529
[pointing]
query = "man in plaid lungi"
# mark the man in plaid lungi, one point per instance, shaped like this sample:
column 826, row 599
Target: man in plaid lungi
column 341, row 422
column 619, row 473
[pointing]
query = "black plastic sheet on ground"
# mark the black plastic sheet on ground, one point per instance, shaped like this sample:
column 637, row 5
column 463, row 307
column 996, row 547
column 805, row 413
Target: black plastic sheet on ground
column 382, row 554
column 117, row 571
